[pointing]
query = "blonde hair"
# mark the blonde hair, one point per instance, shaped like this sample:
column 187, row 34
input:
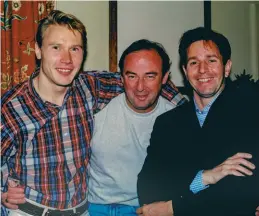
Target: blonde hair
column 57, row 17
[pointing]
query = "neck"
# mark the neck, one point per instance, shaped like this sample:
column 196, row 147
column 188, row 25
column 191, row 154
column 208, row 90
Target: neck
column 49, row 92
column 201, row 102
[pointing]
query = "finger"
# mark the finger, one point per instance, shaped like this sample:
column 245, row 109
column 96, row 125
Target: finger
column 242, row 170
column 235, row 169
column 242, row 155
column 16, row 196
column 9, row 205
column 139, row 210
column 16, row 190
column 16, row 201
column 257, row 209
column 236, row 173
column 16, row 193
column 246, row 163
column 242, row 161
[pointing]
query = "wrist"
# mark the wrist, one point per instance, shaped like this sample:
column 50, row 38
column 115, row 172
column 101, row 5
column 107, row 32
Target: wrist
column 206, row 177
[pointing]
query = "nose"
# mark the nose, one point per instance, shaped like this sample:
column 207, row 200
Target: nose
column 203, row 67
column 140, row 85
column 66, row 57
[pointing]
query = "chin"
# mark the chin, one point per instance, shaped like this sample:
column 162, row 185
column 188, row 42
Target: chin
column 67, row 84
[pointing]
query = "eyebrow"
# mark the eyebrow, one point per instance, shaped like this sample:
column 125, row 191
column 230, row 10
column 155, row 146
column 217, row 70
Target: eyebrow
column 208, row 56
column 151, row 73
column 59, row 44
column 147, row 73
column 129, row 72
column 77, row 45
column 191, row 58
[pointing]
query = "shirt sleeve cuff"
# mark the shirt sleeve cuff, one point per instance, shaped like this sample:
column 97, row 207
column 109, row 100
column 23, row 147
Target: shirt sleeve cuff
column 197, row 185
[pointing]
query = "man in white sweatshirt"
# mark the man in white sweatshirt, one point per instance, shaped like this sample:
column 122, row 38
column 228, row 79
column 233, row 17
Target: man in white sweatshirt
column 123, row 128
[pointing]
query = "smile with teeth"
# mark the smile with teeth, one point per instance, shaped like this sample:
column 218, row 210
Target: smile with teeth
column 141, row 97
column 204, row 79
column 63, row 70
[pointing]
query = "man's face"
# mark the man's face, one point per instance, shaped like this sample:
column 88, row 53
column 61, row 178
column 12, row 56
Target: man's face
column 61, row 56
column 142, row 79
column 205, row 70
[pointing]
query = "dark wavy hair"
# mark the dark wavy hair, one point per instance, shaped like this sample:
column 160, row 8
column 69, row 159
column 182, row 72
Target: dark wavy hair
column 205, row 34
column 145, row 44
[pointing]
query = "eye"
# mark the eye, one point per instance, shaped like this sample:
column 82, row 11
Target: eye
column 191, row 63
column 212, row 60
column 150, row 77
column 75, row 49
column 55, row 47
column 131, row 76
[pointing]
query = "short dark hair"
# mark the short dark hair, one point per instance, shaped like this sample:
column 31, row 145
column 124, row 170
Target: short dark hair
column 205, row 34
column 57, row 17
column 145, row 44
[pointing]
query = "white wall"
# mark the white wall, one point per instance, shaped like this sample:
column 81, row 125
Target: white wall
column 95, row 16
column 165, row 22
column 237, row 21
column 160, row 21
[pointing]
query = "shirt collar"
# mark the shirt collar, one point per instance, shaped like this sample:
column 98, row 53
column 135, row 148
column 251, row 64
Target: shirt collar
column 34, row 93
column 32, row 89
column 207, row 107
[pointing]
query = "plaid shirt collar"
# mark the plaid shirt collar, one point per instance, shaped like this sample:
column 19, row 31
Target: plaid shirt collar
column 34, row 93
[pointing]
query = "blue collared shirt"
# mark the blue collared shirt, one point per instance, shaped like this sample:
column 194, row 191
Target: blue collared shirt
column 202, row 114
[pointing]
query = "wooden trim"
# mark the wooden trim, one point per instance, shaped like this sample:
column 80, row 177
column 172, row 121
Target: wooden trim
column 113, row 36
column 207, row 14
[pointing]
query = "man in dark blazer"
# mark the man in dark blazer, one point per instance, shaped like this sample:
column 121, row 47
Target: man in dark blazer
column 217, row 142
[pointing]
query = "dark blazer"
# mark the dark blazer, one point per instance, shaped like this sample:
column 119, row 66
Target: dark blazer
column 179, row 148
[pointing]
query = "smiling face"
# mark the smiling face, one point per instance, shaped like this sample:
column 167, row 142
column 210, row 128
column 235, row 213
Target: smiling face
column 205, row 70
column 61, row 56
column 142, row 79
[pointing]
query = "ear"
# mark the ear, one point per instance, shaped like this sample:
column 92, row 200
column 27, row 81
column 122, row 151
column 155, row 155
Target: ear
column 122, row 79
column 228, row 68
column 37, row 51
column 165, row 78
column 184, row 70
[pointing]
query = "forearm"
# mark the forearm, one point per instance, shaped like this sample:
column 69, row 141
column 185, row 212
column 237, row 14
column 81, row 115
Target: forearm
column 104, row 86
column 4, row 177
column 171, row 93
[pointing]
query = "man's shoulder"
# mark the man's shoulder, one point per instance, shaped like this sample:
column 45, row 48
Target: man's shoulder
column 245, row 87
column 167, row 105
column 92, row 74
column 17, row 91
column 115, row 103
column 175, row 114
column 242, row 94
